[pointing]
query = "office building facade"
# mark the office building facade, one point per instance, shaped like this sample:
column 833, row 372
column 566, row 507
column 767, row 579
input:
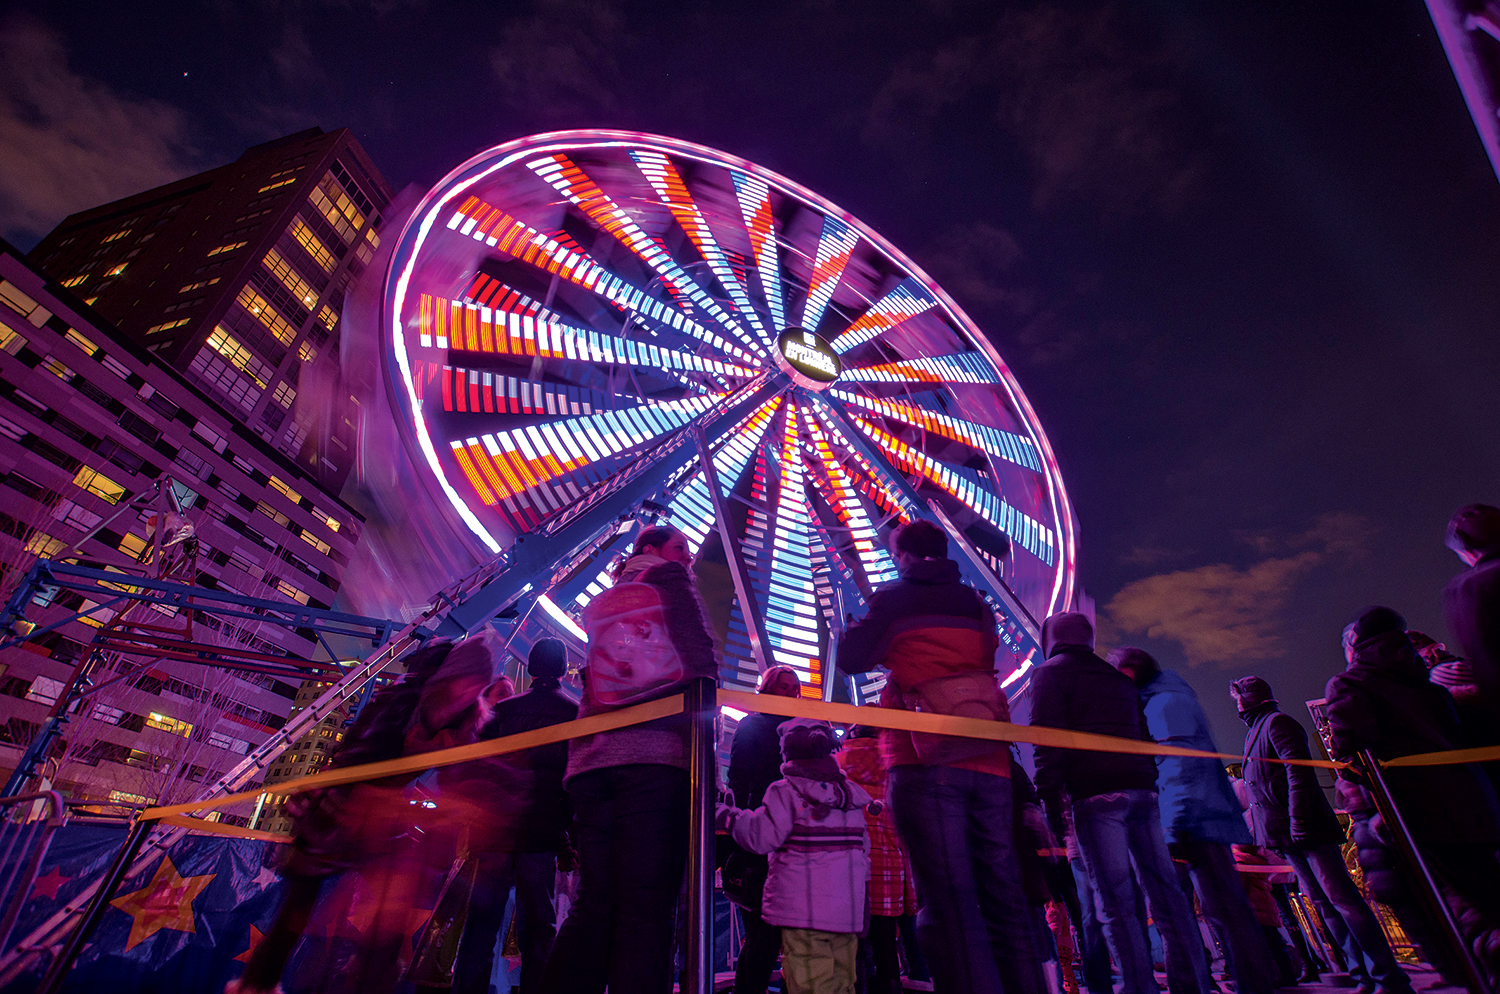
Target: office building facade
column 238, row 277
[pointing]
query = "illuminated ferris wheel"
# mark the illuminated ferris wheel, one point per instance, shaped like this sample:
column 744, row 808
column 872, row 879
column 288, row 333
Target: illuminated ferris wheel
column 573, row 318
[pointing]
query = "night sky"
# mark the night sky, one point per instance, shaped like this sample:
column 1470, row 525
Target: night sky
column 1241, row 257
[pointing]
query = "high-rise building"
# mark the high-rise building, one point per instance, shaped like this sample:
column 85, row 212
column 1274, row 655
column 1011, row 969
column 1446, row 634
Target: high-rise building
column 237, row 277
column 89, row 420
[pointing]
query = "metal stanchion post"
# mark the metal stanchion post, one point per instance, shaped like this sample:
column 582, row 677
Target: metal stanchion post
column 96, row 907
column 1421, row 876
column 702, row 706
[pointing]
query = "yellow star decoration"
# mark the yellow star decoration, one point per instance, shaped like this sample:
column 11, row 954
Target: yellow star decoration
column 166, row 902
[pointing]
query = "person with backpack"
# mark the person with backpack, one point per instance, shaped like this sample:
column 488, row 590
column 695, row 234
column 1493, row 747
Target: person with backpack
column 950, row 797
column 629, row 787
column 812, row 824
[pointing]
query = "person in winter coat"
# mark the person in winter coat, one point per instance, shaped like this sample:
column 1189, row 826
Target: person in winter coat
column 519, row 829
column 340, row 828
column 950, row 798
column 1116, row 817
column 1293, row 817
column 1384, row 704
column 892, row 893
column 629, row 787
column 1471, row 601
column 812, row 823
column 1201, row 817
column 755, row 764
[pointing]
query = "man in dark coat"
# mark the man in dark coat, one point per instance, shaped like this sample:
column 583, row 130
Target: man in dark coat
column 1383, row 703
column 1292, row 816
column 1201, row 817
column 522, row 825
column 1471, row 602
column 1116, row 818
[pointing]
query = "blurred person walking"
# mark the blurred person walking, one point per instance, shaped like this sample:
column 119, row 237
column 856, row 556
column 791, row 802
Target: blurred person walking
column 951, row 798
column 1293, row 817
column 520, row 830
column 1114, row 804
column 811, row 823
column 629, row 787
column 341, row 828
column 1384, row 704
column 755, row 764
column 1201, row 817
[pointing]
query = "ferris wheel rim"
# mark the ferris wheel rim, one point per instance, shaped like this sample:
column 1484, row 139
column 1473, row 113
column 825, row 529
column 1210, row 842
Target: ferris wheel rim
column 420, row 226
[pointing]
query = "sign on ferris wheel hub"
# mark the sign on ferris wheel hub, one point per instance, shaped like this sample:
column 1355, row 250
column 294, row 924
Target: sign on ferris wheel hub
column 563, row 311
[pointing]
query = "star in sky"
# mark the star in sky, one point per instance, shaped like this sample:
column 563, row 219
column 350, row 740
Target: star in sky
column 165, row 902
column 47, row 886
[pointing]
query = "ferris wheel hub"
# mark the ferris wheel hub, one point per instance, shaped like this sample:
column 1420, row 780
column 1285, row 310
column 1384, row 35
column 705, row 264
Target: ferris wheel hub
column 808, row 359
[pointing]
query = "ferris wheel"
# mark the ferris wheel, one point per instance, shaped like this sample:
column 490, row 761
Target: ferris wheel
column 572, row 320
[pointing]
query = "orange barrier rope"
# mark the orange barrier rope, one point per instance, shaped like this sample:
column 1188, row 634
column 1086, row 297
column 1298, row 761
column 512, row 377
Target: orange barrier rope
column 976, row 728
column 592, row 725
column 219, row 828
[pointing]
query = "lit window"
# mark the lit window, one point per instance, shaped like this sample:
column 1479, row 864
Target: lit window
column 57, row 369
column 286, row 491
column 314, row 245
column 199, row 285
column 124, row 797
column 306, row 352
column 167, row 325
column 73, row 281
column 285, row 394
column 317, row 543
column 115, row 237
column 43, row 546
column 11, row 342
column 117, row 270
column 291, row 591
column 168, row 724
column 240, row 356
column 295, row 285
column 19, row 301
column 272, row 513
column 227, row 248
column 45, row 690
column 83, row 343
column 97, row 483
column 328, row 316
column 132, row 545
column 262, row 309
column 277, row 185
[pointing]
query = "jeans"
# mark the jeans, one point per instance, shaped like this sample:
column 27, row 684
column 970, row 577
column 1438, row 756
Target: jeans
column 1211, row 873
column 1325, row 880
column 1115, row 830
column 534, row 876
column 631, row 824
column 1097, row 975
column 974, row 925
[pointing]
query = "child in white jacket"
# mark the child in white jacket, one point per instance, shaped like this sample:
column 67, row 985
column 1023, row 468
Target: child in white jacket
column 812, row 824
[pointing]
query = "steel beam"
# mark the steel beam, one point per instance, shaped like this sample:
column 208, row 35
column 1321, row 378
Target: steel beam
column 755, row 622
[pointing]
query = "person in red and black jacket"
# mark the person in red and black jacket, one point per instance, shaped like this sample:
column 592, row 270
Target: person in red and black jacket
column 954, row 818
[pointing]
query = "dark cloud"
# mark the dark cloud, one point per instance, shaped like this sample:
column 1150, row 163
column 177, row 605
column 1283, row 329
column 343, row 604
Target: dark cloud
column 1093, row 102
column 69, row 142
column 563, row 57
column 1222, row 613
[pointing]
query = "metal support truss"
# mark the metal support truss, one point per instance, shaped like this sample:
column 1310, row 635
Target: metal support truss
column 755, row 623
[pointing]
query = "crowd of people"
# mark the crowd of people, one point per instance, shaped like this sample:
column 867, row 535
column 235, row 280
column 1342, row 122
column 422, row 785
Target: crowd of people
column 862, row 856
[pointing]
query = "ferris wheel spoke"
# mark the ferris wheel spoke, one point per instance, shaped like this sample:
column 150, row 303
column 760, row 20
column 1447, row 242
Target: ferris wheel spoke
column 668, row 184
column 963, row 484
column 456, row 325
column 995, row 441
column 905, row 300
column 492, row 226
column 835, row 246
column 843, row 496
column 755, row 207
column 692, row 508
column 962, row 367
column 572, row 182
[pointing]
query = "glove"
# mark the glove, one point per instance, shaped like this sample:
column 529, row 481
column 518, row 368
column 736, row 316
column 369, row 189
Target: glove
column 724, row 818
